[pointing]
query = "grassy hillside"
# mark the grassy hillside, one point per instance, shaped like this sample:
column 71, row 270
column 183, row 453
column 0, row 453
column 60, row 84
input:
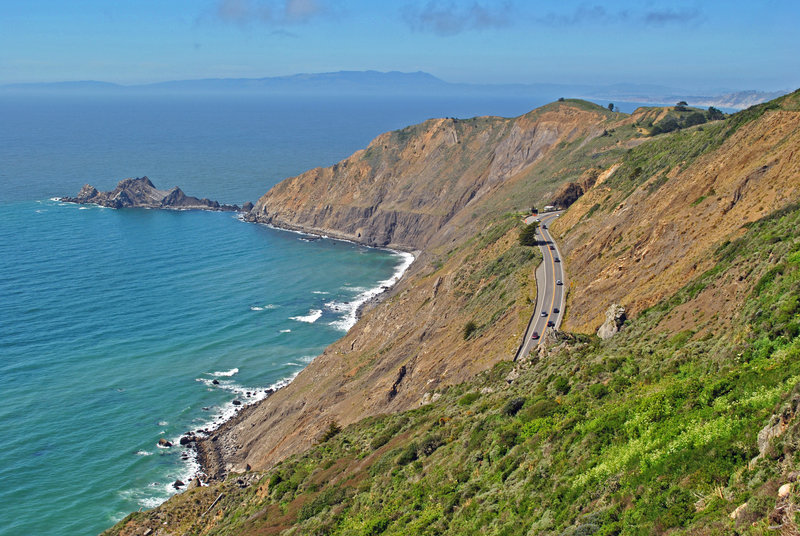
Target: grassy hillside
column 683, row 423
column 647, row 433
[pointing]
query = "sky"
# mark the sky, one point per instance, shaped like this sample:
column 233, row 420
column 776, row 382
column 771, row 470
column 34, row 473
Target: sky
column 698, row 45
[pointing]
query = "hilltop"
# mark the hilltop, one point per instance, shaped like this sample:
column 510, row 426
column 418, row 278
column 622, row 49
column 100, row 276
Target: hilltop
column 682, row 423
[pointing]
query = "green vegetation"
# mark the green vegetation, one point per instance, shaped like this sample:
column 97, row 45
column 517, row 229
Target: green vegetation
column 654, row 431
column 527, row 236
column 680, row 117
column 469, row 329
column 646, row 433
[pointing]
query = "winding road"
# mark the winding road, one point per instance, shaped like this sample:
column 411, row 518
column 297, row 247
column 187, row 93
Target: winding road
column 549, row 294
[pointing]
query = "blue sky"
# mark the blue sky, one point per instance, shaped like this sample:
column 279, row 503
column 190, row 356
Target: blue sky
column 690, row 44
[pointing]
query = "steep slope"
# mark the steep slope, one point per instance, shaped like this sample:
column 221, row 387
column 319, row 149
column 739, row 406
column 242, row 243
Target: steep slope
column 654, row 224
column 407, row 185
column 469, row 269
column 659, row 430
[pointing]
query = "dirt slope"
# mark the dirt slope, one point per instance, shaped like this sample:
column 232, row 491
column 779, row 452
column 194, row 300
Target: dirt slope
column 635, row 249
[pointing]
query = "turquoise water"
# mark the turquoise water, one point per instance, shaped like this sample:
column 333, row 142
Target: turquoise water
column 114, row 324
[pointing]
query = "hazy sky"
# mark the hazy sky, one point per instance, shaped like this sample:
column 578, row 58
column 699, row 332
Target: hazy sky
column 709, row 44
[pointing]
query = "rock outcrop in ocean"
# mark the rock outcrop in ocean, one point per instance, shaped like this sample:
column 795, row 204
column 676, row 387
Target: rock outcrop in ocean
column 141, row 193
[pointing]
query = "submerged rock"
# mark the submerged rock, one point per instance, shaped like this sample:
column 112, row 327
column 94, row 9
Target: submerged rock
column 164, row 443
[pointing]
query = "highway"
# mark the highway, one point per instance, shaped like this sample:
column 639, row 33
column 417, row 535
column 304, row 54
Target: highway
column 549, row 295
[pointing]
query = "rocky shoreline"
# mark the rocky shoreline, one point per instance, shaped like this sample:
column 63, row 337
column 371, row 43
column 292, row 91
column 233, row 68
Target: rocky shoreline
column 216, row 449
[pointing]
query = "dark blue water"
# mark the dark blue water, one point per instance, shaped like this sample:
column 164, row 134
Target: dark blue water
column 114, row 324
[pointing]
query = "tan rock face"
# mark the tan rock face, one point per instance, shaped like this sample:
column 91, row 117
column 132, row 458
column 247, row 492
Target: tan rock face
column 407, row 185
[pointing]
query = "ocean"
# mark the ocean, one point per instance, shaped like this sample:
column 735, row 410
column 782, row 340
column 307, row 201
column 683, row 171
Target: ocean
column 122, row 327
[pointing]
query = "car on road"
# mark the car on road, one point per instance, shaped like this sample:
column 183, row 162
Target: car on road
column 556, row 259
column 544, row 226
column 552, row 248
column 555, row 310
column 544, row 313
column 535, row 335
column 558, row 282
column 550, row 324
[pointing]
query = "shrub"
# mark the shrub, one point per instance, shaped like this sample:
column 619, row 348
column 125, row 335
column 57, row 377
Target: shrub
column 561, row 385
column 598, row 390
column 714, row 114
column 408, row 455
column 693, row 119
column 329, row 497
column 333, row 429
column 430, row 444
column 513, row 406
column 541, row 408
column 468, row 399
column 527, row 236
column 469, row 329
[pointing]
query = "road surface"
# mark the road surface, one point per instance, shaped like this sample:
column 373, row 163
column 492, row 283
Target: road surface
column 549, row 295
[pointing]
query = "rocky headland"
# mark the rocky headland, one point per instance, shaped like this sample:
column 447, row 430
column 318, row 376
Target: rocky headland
column 141, row 193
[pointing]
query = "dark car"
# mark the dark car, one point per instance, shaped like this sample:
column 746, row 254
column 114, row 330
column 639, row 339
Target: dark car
column 556, row 259
column 535, row 335
column 555, row 310
column 550, row 324
column 558, row 282
column 552, row 248
column 544, row 226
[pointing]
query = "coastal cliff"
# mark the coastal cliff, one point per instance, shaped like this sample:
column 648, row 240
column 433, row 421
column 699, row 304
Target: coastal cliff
column 683, row 422
column 141, row 193
column 433, row 188
column 407, row 185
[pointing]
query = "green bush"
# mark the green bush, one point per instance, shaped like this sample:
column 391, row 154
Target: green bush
column 469, row 398
column 598, row 390
column 408, row 455
column 469, row 329
column 561, row 385
column 527, row 236
column 513, row 406
column 328, row 497
column 333, row 430
column 541, row 408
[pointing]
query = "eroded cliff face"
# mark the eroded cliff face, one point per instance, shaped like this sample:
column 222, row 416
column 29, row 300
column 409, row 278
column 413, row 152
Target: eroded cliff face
column 408, row 184
column 421, row 188
column 635, row 244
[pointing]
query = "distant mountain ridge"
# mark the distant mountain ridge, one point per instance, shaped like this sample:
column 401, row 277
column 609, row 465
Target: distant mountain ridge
column 419, row 83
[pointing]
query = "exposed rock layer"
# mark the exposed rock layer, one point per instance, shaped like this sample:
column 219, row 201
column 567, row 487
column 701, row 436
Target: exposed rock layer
column 405, row 187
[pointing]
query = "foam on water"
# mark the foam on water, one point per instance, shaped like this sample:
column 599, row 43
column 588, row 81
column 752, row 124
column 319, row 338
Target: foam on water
column 267, row 307
column 312, row 316
column 350, row 308
column 225, row 373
